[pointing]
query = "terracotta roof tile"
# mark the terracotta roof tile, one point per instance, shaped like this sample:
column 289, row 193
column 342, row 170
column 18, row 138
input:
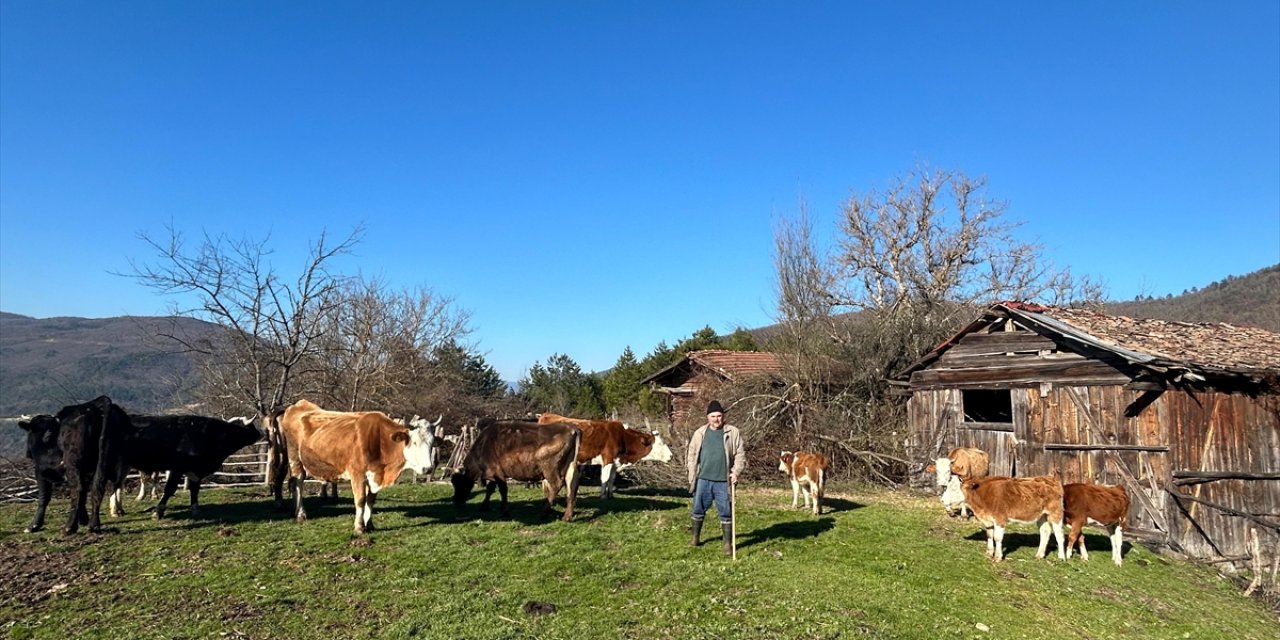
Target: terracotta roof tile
column 737, row 363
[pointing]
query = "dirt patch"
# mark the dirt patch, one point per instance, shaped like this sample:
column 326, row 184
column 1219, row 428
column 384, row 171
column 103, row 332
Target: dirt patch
column 32, row 573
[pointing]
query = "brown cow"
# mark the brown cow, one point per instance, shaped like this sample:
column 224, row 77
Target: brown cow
column 1100, row 504
column 367, row 448
column 613, row 446
column 998, row 500
column 523, row 451
column 808, row 472
column 961, row 463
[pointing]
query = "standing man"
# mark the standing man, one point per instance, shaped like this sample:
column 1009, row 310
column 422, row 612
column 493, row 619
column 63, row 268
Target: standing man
column 716, row 459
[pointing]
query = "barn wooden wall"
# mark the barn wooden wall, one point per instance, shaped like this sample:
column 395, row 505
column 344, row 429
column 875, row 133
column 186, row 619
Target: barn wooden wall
column 1084, row 434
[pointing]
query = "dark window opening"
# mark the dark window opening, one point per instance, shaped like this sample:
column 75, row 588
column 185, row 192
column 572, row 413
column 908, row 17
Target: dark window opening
column 988, row 405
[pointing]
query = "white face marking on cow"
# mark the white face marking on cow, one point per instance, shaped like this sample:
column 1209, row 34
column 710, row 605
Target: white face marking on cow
column 420, row 453
column 660, row 451
column 944, row 472
column 953, row 497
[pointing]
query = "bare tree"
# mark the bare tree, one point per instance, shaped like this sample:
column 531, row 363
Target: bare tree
column 379, row 344
column 271, row 327
column 912, row 263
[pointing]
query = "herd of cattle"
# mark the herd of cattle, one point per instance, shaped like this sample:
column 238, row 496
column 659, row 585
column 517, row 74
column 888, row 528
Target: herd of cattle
column 995, row 501
column 92, row 446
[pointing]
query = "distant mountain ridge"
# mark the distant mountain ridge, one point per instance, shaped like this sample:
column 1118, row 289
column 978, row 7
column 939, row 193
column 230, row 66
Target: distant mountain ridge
column 46, row 363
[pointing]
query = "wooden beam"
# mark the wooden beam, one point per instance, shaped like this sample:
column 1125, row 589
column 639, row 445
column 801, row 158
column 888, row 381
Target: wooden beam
column 1191, row 476
column 987, row 426
column 1052, row 446
column 1178, row 495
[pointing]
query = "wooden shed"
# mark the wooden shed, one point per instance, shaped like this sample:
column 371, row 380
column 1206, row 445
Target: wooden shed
column 693, row 380
column 1185, row 416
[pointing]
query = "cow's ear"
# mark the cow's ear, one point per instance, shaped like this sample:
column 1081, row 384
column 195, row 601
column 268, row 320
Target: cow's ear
column 933, row 468
column 24, row 425
column 400, row 436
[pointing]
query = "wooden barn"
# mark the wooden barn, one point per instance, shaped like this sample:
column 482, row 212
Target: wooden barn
column 1185, row 416
column 695, row 379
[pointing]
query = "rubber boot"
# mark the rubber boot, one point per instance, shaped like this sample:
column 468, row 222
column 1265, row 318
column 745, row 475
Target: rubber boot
column 697, row 533
column 727, row 528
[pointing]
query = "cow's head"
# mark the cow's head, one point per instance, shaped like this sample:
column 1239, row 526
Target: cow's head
column 420, row 450
column 659, row 451
column 785, row 460
column 953, row 497
column 42, row 446
column 942, row 471
column 463, row 483
column 247, row 430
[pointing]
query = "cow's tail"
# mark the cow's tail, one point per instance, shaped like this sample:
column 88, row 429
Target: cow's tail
column 572, row 477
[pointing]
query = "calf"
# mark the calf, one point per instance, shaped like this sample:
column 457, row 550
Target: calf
column 960, row 464
column 82, row 447
column 1100, row 504
column 808, row 473
column 998, row 500
column 613, row 446
column 523, row 451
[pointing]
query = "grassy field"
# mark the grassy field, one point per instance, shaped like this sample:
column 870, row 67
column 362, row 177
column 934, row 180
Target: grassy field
column 881, row 564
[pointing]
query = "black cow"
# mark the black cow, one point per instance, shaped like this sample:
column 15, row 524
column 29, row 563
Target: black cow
column 81, row 446
column 43, row 450
column 524, row 451
column 187, row 446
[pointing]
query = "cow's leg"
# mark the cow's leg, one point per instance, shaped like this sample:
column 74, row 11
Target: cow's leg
column 818, row 495
column 571, row 481
column 193, row 485
column 295, row 486
column 96, row 495
column 1044, row 537
column 502, row 491
column 79, row 489
column 360, row 494
column 142, row 486
column 1057, row 536
column 1116, row 533
column 44, row 490
column 795, row 493
column 369, row 501
column 488, row 493
column 607, row 473
column 997, row 533
column 115, row 506
column 170, row 486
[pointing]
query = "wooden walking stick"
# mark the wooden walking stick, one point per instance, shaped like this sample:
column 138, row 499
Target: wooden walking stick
column 733, row 518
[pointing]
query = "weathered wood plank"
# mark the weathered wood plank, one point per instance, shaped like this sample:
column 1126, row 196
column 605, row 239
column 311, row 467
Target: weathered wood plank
column 1058, row 446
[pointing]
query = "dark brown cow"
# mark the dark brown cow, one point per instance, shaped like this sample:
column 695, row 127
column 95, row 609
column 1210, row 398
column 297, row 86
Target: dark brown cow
column 523, row 451
column 808, row 473
column 1099, row 504
column 998, row 500
column 613, row 446
column 367, row 448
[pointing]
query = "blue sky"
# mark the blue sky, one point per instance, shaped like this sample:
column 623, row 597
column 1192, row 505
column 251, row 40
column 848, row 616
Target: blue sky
column 586, row 176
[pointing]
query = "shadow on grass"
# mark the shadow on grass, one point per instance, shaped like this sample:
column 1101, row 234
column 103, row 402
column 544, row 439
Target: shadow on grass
column 795, row 530
column 1014, row 541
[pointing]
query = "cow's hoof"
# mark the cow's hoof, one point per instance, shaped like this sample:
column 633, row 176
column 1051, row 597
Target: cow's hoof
column 158, row 515
column 33, row 528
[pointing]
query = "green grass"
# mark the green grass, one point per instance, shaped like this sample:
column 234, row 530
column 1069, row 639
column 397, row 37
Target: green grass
column 881, row 564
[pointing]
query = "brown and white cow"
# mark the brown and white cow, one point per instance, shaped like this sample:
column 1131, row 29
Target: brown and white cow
column 613, row 446
column 522, row 451
column 367, row 448
column 960, row 464
column 997, row 500
column 808, row 473
column 1100, row 504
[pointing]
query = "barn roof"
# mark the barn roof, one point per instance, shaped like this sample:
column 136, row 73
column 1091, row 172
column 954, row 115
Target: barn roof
column 1178, row 348
column 729, row 365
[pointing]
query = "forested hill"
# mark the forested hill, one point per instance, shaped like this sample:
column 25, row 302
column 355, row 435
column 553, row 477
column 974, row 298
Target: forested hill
column 1251, row 300
column 46, row 363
